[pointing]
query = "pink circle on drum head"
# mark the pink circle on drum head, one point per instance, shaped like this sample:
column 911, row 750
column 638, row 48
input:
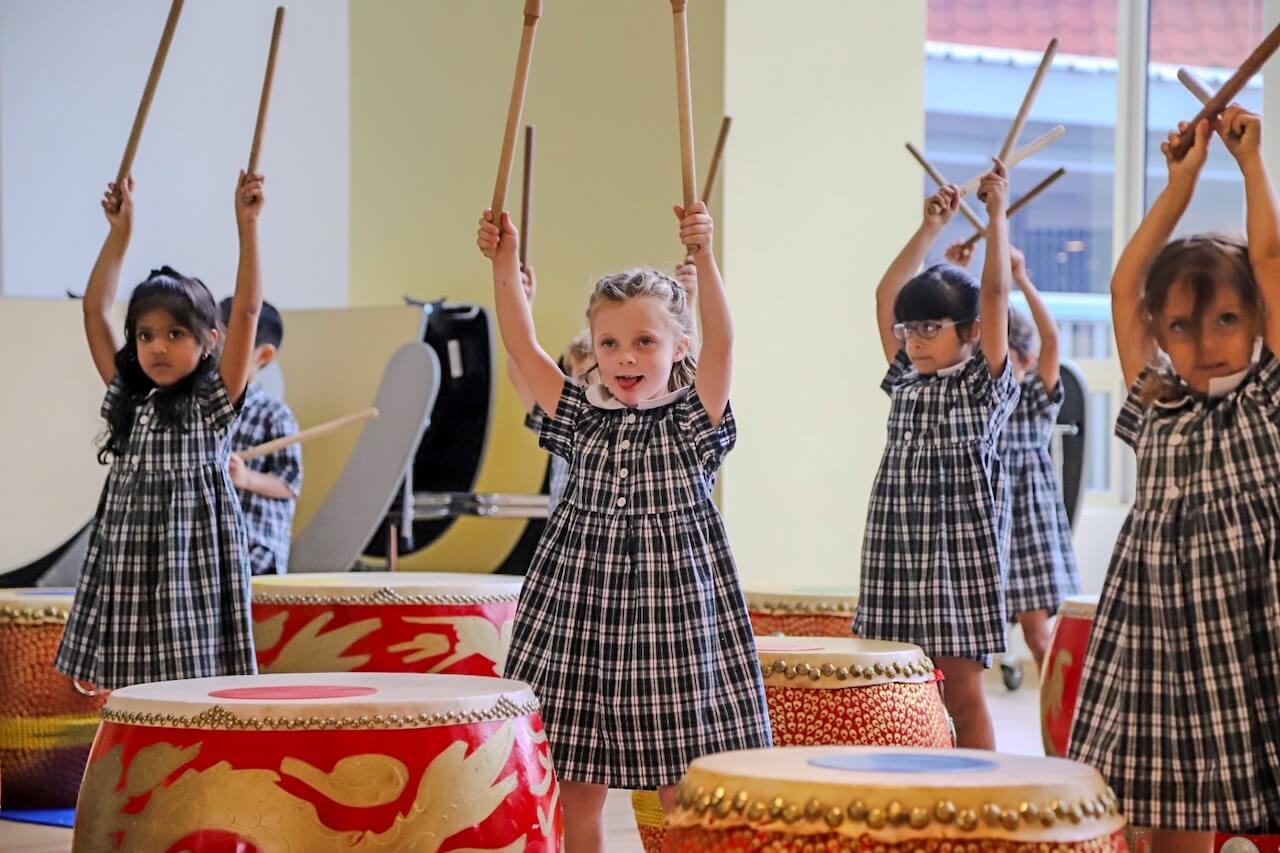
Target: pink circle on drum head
column 293, row 691
column 765, row 647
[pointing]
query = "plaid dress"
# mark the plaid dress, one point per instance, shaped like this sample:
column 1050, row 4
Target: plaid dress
column 1180, row 696
column 632, row 628
column 1042, row 561
column 935, row 549
column 269, row 521
column 165, row 589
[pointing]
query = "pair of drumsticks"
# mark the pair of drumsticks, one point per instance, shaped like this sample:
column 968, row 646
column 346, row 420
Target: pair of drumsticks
column 255, row 149
column 515, row 108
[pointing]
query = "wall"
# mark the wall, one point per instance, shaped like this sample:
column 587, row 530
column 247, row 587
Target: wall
column 71, row 75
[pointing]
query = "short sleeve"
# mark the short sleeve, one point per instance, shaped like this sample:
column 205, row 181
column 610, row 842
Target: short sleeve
column 115, row 393
column 995, row 391
column 287, row 462
column 897, row 368
column 1268, row 374
column 215, row 405
column 711, row 442
column 558, row 433
column 1133, row 414
column 1042, row 402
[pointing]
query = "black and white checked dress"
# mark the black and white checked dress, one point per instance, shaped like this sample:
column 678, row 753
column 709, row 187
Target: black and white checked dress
column 268, row 521
column 1180, row 697
column 558, row 470
column 1042, row 560
column 164, row 593
column 632, row 628
column 935, row 547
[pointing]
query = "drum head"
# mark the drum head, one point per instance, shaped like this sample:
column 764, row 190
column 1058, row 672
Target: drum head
column 328, row 700
column 387, row 587
column 836, row 662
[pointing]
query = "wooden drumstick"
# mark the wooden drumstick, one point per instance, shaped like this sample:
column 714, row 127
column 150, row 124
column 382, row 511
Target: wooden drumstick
column 1020, row 120
column 532, row 12
column 1195, row 85
column 1020, row 203
column 714, row 170
column 267, row 448
column 148, row 92
column 266, row 92
column 1032, row 148
column 684, row 97
column 526, row 196
column 932, row 172
column 1223, row 97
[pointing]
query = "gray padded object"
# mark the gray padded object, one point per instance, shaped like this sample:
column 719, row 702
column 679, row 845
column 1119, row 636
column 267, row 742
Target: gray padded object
column 335, row 537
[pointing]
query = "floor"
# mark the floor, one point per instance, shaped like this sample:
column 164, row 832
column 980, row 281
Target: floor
column 1016, row 714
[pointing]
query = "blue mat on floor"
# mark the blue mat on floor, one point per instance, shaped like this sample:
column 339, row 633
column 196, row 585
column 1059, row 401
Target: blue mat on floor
column 46, row 817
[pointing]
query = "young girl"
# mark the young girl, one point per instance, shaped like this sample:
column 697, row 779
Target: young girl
column 165, row 590
column 1042, row 561
column 935, row 547
column 632, row 628
column 1180, row 695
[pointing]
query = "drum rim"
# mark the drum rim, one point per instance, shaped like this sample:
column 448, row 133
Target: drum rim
column 844, row 662
column 132, row 706
column 1075, row 807
column 268, row 590
column 35, row 605
column 1079, row 607
column 783, row 602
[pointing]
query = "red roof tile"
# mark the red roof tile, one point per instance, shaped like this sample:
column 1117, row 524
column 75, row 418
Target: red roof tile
column 1183, row 32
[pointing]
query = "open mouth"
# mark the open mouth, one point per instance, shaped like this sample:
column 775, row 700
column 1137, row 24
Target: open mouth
column 629, row 383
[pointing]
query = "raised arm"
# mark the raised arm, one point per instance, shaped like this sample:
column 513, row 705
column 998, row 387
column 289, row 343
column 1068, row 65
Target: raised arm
column 1049, row 364
column 908, row 263
column 515, row 319
column 246, row 304
column 104, row 281
column 1241, row 131
column 715, row 360
column 1134, row 342
column 523, row 391
column 993, row 299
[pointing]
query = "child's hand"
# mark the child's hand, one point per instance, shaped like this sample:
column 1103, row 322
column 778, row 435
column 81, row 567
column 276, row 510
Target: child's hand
column 529, row 280
column 239, row 472
column 118, row 206
column 493, row 244
column 947, row 201
column 1241, row 132
column 696, row 228
column 1017, row 261
column 249, row 198
column 994, row 189
column 1186, row 170
column 959, row 254
column 687, row 275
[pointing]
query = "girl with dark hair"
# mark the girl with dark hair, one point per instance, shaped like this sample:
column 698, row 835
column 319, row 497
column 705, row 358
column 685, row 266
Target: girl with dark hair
column 164, row 593
column 1180, row 696
column 935, row 546
column 1042, row 560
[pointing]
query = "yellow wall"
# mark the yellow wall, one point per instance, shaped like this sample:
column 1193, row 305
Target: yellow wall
column 429, row 90
column 816, row 197
column 819, row 198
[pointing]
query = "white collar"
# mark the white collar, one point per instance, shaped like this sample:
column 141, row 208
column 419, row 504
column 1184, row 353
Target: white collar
column 1221, row 386
column 598, row 395
column 953, row 369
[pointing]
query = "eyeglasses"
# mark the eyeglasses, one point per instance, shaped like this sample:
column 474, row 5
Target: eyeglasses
column 926, row 330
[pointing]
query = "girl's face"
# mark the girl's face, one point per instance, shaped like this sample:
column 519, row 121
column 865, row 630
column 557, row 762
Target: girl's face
column 948, row 346
column 1219, row 343
column 167, row 351
column 636, row 344
column 1023, row 363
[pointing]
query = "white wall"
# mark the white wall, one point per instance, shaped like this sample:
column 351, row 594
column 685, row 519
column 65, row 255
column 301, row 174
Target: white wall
column 71, row 75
